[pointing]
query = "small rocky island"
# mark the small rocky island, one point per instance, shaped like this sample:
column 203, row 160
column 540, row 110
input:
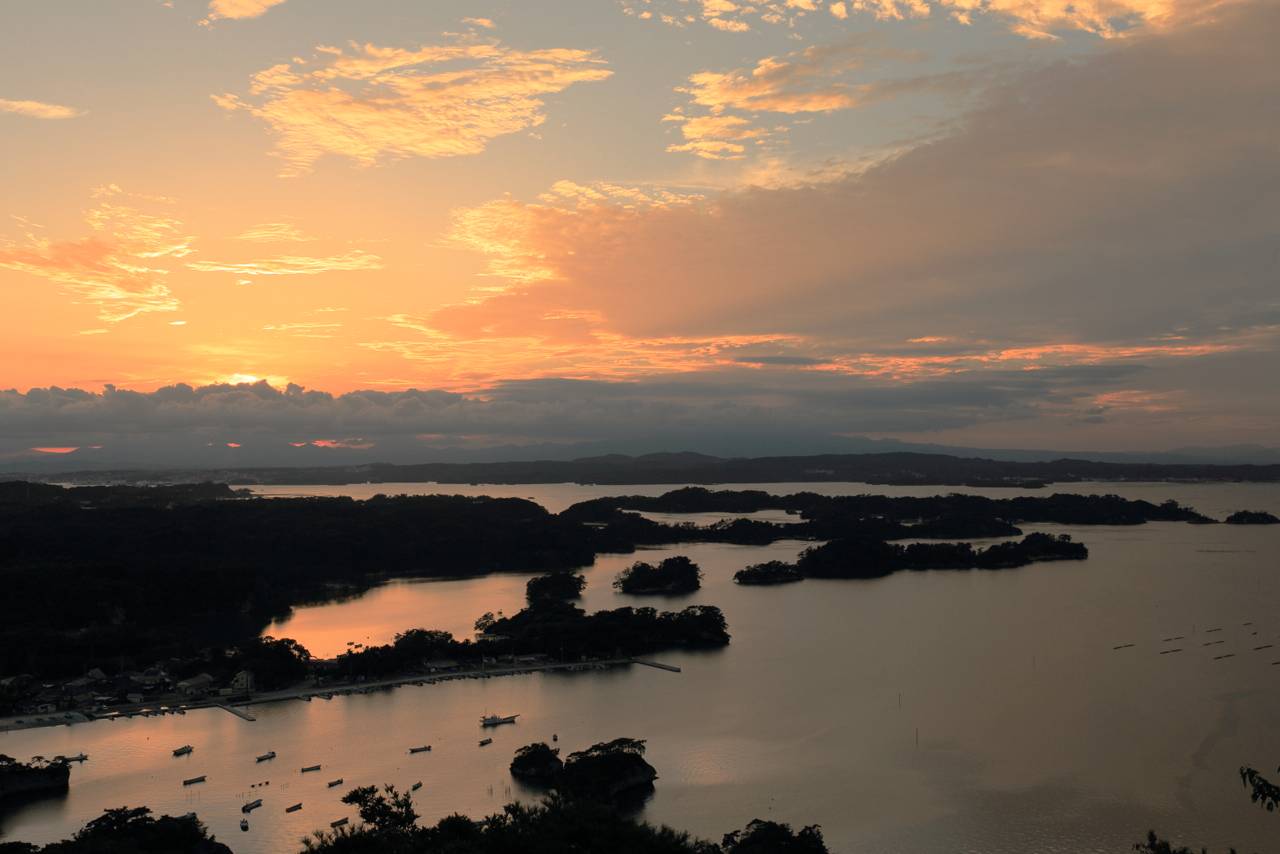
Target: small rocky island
column 772, row 572
column 555, row 585
column 673, row 576
column 606, row 771
column 1252, row 517
column 538, row 764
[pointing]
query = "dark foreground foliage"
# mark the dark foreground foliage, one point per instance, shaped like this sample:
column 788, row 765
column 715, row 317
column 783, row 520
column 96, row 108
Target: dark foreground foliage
column 1155, row 845
column 1262, row 792
column 559, row 825
column 130, row 831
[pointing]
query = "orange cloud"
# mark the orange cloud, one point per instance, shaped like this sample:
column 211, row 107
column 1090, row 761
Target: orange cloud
column 237, row 9
column 115, row 268
column 38, row 109
column 350, row 444
column 378, row 103
column 1057, row 355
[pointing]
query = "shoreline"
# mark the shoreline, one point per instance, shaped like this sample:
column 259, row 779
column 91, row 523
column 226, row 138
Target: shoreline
column 307, row 692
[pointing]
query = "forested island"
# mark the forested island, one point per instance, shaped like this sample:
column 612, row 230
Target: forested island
column 555, row 585
column 772, row 572
column 673, row 576
column 1252, row 517
column 864, row 558
column 549, row 628
column 181, row 580
column 605, row 771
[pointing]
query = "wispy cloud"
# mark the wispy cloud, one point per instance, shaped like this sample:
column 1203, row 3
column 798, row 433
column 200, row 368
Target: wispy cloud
column 117, row 268
column 292, row 265
column 275, row 232
column 1036, row 19
column 304, row 330
column 723, row 116
column 38, row 109
column 370, row 103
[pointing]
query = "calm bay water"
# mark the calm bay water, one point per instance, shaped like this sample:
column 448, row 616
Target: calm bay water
column 1033, row 733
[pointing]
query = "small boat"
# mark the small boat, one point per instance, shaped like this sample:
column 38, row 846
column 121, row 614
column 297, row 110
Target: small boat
column 337, row 782
column 270, row 754
column 485, row 741
column 416, row 786
column 555, row 736
column 339, row 823
column 251, row 806
column 191, row 781
column 79, row 757
column 183, row 750
column 426, row 748
column 497, row 720
column 244, row 824
column 293, row 808
column 310, row 768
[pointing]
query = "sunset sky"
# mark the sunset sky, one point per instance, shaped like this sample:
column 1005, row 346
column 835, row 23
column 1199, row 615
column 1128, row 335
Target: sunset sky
column 388, row 227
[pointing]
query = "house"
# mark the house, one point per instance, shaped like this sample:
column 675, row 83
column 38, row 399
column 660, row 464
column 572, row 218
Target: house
column 151, row 678
column 198, row 684
column 242, row 682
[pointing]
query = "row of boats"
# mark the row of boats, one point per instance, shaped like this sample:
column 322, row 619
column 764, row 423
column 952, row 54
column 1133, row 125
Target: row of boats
column 486, row 722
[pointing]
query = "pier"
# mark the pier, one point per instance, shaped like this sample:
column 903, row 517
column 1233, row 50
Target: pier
column 671, row 668
column 240, row 713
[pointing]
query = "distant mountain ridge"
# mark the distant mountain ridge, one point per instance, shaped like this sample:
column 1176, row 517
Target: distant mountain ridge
column 899, row 467
column 143, row 454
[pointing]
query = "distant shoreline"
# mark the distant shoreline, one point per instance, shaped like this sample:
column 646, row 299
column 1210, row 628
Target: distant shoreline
column 885, row 469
